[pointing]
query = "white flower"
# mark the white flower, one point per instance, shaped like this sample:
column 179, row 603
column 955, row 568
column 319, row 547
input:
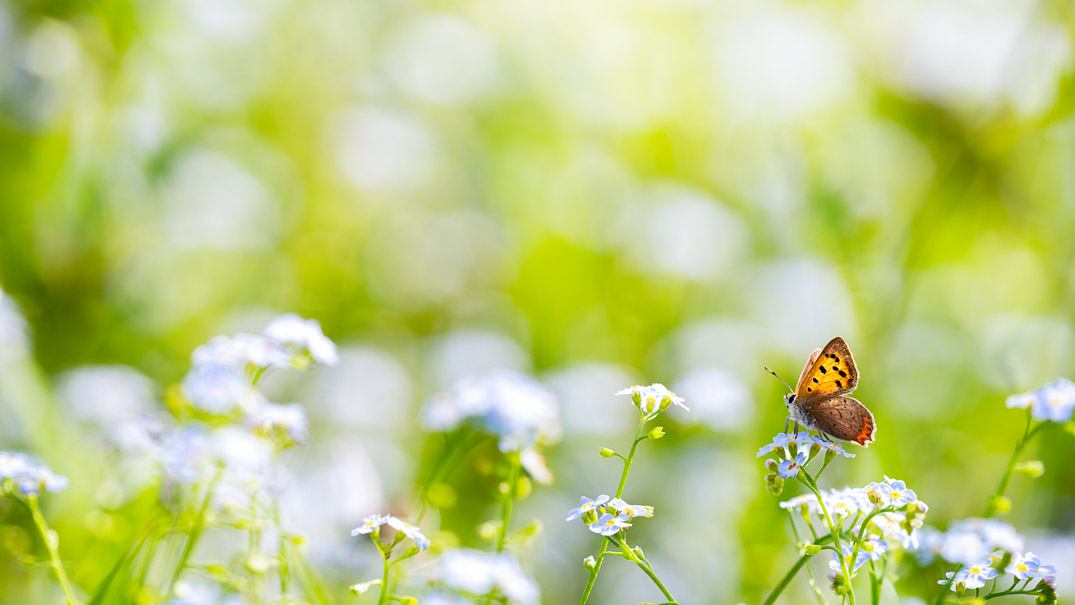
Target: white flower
column 291, row 329
column 479, row 573
column 370, row 524
column 28, row 475
column 1029, row 566
column 242, row 349
column 218, row 389
column 289, row 419
column 507, row 404
column 534, row 464
column 653, row 399
column 412, row 532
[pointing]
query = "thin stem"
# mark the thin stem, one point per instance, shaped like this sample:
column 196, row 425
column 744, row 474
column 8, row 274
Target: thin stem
column 630, row 554
column 809, row 482
column 1006, row 593
column 376, row 537
column 509, row 501
column 875, row 585
column 947, row 586
column 54, row 554
column 1017, row 455
column 640, row 435
column 786, row 580
column 195, row 532
column 445, row 462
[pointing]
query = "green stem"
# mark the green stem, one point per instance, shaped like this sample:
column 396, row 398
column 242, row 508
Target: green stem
column 809, row 482
column 630, row 554
column 509, row 501
column 195, row 532
column 54, row 554
column 376, row 537
column 640, row 435
column 786, row 580
column 1017, row 454
column 875, row 585
column 1006, row 593
column 947, row 586
column 448, row 459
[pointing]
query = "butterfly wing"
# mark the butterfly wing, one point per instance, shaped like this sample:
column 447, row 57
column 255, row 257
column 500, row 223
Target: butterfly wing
column 844, row 418
column 833, row 373
column 806, row 368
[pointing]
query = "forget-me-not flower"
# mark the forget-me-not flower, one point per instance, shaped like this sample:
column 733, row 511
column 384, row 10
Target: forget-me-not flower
column 610, row 524
column 586, row 505
column 306, row 335
column 631, row 510
column 370, row 524
column 789, row 468
column 1029, row 566
column 1054, row 401
column 975, row 575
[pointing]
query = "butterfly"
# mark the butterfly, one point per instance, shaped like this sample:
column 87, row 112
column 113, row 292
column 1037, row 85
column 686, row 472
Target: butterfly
column 820, row 400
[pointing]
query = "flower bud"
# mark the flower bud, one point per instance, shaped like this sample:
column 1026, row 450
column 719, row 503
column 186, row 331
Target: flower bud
column 1002, row 504
column 606, row 453
column 830, row 455
column 589, row 563
column 811, row 549
column 408, row 601
column 363, row 588
column 774, row 486
column 771, row 464
column 1031, row 468
column 657, row 433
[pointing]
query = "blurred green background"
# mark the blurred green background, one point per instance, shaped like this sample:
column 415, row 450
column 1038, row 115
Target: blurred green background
column 599, row 193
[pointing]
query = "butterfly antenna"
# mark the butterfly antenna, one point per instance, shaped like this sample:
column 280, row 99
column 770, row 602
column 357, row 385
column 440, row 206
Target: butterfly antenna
column 791, row 390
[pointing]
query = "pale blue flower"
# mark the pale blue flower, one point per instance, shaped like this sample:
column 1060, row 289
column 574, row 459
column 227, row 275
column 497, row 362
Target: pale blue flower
column 852, row 566
column 790, row 468
column 608, row 524
column 586, row 505
column 631, row 510
column 892, row 492
column 781, row 441
column 975, row 575
column 30, row 476
column 370, row 524
column 1053, row 402
column 306, row 334
column 874, row 547
column 1029, row 566
column 832, row 446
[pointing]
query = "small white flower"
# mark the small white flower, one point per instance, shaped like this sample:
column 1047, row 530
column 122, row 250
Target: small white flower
column 652, row 399
column 289, row 419
column 290, row 329
column 631, row 510
column 608, row 524
column 218, row 389
column 1029, row 566
column 586, row 505
column 412, row 532
column 242, row 349
column 370, row 524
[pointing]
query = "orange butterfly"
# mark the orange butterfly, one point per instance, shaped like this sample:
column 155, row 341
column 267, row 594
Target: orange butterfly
column 820, row 398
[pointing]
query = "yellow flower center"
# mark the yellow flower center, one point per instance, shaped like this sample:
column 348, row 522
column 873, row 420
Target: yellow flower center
column 895, row 494
column 1021, row 567
column 867, row 546
column 610, row 522
column 975, row 571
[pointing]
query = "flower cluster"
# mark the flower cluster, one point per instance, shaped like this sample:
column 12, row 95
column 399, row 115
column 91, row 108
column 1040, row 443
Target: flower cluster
column 653, row 399
column 1053, row 402
column 1022, row 567
column 607, row 516
column 23, row 474
column 371, row 525
column 798, row 450
column 516, row 409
